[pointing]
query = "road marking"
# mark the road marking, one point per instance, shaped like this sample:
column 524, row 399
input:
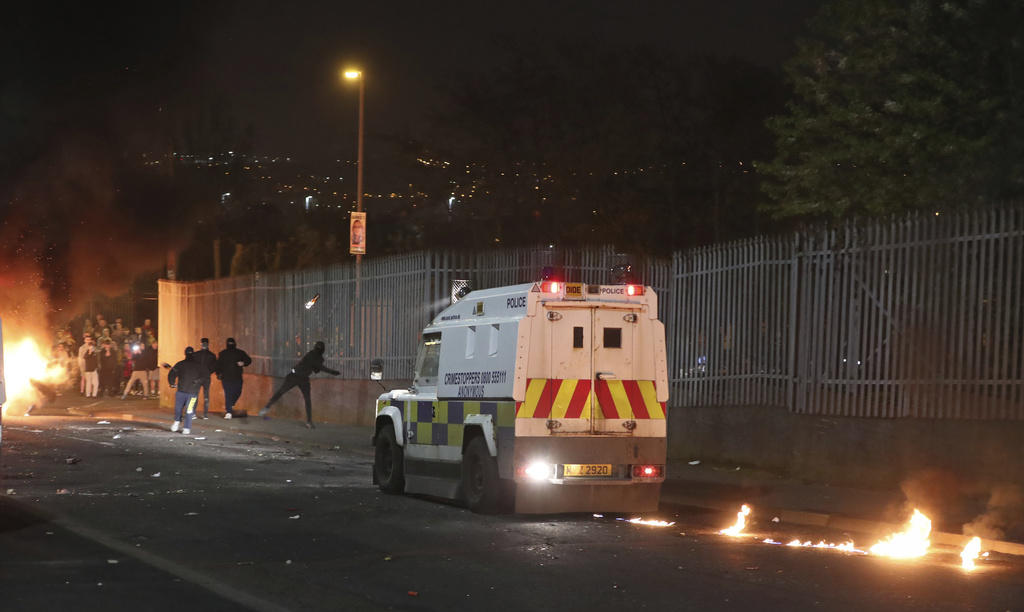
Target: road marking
column 220, row 589
column 85, row 440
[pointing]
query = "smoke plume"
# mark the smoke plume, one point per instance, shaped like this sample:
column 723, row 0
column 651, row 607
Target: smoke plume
column 1003, row 514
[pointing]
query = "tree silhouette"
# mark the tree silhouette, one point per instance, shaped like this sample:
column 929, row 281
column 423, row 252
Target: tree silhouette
column 902, row 106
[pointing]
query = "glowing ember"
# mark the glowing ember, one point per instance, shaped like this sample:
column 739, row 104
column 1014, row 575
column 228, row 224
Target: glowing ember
column 910, row 543
column 310, row 303
column 23, row 363
column 970, row 553
column 650, row 522
column 741, row 522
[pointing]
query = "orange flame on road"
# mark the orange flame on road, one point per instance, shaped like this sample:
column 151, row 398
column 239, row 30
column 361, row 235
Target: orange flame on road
column 741, row 522
column 650, row 522
column 970, row 553
column 910, row 543
column 844, row 547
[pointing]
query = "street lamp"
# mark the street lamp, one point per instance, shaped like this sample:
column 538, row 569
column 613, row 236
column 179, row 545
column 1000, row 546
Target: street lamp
column 353, row 75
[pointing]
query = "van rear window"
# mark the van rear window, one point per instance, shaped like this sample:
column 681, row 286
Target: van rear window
column 577, row 337
column 613, row 337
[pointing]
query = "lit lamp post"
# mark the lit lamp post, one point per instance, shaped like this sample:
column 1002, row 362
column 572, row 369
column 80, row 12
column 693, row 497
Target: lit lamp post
column 358, row 75
column 352, row 75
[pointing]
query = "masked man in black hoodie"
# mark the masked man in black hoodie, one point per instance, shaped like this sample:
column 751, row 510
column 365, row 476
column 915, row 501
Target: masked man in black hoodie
column 208, row 360
column 187, row 375
column 311, row 363
column 229, row 366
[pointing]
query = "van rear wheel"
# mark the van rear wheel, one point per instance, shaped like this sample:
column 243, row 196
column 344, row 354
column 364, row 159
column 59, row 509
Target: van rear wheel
column 480, row 483
column 388, row 462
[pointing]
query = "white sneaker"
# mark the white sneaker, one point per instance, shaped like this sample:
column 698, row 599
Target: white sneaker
column 176, row 425
column 227, row 415
column 186, row 431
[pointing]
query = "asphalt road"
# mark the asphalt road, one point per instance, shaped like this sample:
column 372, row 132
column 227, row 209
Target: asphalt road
column 125, row 513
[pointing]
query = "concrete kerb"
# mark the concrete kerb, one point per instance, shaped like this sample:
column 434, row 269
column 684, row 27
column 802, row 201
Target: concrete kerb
column 843, row 523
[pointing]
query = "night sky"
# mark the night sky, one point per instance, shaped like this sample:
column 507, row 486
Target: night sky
column 273, row 65
column 89, row 88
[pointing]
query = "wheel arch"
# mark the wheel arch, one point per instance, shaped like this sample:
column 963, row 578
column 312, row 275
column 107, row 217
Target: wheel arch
column 479, row 425
column 390, row 416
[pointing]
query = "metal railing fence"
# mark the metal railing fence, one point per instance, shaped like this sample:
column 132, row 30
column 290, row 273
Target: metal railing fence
column 380, row 315
column 918, row 317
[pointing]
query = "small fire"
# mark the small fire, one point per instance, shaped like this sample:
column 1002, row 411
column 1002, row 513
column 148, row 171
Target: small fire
column 844, row 547
column 23, row 363
column 910, row 543
column 650, row 522
column 312, row 301
column 741, row 522
column 970, row 553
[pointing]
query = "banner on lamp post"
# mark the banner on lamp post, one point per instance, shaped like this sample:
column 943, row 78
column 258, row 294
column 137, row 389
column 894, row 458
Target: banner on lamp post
column 357, row 233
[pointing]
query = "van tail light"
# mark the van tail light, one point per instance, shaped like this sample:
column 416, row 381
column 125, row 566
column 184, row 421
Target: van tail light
column 648, row 471
column 632, row 290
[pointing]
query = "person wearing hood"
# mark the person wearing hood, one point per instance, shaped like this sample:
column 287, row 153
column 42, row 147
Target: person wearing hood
column 187, row 375
column 228, row 368
column 311, row 363
column 208, row 360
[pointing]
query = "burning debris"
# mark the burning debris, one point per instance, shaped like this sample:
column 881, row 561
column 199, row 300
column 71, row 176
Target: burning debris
column 649, row 522
column 910, row 543
column 741, row 522
column 844, row 547
column 312, row 301
column 970, row 553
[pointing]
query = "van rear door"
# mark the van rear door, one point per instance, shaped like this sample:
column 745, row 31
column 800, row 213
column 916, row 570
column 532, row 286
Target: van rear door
column 614, row 369
column 567, row 396
column 591, row 369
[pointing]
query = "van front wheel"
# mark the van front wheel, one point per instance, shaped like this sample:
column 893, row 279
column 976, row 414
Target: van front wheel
column 480, row 483
column 388, row 462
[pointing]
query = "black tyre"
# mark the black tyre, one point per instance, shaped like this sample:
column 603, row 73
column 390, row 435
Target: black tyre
column 480, row 483
column 388, row 462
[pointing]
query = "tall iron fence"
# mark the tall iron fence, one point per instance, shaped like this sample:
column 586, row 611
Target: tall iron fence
column 377, row 311
column 920, row 317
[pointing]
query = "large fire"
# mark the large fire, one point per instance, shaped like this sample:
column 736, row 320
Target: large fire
column 910, row 543
column 24, row 362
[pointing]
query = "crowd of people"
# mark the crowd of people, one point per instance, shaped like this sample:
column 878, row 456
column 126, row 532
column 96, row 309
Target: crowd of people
column 115, row 360
column 108, row 359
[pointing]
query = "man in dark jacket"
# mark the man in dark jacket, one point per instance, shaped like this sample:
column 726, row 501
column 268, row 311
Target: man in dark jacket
column 311, row 363
column 208, row 360
column 229, row 366
column 149, row 363
column 187, row 374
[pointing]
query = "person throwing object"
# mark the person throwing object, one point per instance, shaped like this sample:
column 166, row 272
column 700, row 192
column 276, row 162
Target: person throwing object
column 311, row 363
column 187, row 374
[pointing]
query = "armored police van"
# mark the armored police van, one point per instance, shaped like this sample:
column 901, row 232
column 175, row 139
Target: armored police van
column 543, row 397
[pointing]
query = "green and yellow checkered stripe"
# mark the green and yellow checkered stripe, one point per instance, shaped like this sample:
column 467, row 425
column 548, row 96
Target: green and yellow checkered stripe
column 441, row 423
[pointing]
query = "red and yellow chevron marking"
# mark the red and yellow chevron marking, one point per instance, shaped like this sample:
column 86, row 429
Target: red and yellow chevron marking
column 553, row 398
